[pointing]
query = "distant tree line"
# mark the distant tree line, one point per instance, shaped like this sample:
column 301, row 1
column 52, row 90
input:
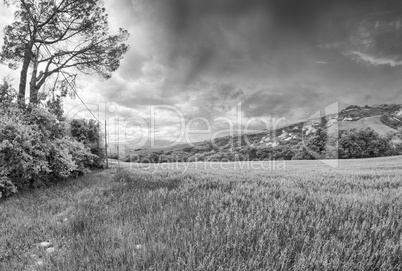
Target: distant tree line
column 350, row 144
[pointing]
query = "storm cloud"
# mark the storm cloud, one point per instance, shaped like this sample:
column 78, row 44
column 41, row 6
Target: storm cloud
column 264, row 44
column 275, row 57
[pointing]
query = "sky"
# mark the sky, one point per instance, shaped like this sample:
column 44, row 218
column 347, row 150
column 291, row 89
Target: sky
column 203, row 60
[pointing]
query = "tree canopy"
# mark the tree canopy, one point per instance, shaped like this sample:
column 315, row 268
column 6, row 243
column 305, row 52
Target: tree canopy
column 60, row 37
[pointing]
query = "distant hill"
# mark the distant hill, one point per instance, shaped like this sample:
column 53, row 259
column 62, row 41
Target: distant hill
column 383, row 119
column 374, row 123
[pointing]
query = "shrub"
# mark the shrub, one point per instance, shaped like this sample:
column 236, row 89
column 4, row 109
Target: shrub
column 88, row 133
column 60, row 160
column 395, row 141
column 362, row 144
column 7, row 187
column 7, row 93
column 69, row 157
column 34, row 151
column 22, row 151
column 81, row 155
column 45, row 122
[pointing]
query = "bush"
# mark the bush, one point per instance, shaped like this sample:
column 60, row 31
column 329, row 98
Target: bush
column 81, row 154
column 7, row 93
column 88, row 133
column 60, row 160
column 396, row 143
column 7, row 187
column 69, row 157
column 22, row 151
column 34, row 150
column 362, row 144
column 45, row 122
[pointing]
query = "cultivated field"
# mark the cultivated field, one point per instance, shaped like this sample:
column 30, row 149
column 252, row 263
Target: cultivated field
column 297, row 215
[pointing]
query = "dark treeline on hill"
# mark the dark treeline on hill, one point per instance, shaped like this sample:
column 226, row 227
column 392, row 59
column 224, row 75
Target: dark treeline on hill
column 361, row 132
column 39, row 146
column 352, row 143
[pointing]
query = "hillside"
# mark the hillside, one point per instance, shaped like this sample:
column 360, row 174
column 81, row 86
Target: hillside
column 374, row 123
column 287, row 141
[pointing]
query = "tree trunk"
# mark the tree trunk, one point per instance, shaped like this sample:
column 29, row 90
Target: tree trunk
column 33, row 99
column 33, row 89
column 24, row 72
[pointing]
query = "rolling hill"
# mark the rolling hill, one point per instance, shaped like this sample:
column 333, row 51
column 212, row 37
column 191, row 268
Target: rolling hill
column 374, row 123
column 383, row 119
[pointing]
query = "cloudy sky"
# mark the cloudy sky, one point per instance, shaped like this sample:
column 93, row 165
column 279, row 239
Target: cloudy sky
column 277, row 58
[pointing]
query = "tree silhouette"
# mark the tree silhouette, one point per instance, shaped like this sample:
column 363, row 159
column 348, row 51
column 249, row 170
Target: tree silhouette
column 54, row 37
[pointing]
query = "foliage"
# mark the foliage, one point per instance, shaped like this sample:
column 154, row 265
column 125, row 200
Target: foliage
column 88, row 133
column 34, row 150
column 395, row 141
column 7, row 187
column 69, row 158
column 46, row 122
column 362, row 144
column 7, row 93
column 320, row 145
column 22, row 151
column 81, row 155
column 85, row 131
column 315, row 146
column 55, row 107
column 53, row 36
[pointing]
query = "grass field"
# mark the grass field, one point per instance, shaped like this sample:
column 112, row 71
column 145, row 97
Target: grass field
column 300, row 215
column 374, row 123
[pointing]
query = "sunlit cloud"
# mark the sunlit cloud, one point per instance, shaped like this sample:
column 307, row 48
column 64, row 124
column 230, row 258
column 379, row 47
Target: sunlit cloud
column 275, row 58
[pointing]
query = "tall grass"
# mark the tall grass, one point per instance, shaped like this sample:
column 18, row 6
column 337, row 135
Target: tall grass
column 303, row 218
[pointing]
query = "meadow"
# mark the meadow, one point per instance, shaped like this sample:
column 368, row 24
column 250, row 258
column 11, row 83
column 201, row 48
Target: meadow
column 296, row 215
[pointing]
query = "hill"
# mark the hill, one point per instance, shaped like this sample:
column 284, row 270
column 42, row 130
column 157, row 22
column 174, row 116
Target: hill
column 374, row 123
column 287, row 141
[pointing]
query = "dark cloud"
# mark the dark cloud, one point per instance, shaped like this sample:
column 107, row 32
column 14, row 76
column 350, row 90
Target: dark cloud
column 270, row 24
column 214, row 99
column 371, row 33
column 285, row 102
column 208, row 56
column 279, row 58
column 276, row 57
column 262, row 38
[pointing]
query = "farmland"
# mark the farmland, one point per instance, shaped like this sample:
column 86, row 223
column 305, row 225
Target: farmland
column 293, row 215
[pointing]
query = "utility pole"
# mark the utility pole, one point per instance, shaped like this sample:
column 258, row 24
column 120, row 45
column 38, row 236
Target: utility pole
column 118, row 143
column 99, row 132
column 107, row 160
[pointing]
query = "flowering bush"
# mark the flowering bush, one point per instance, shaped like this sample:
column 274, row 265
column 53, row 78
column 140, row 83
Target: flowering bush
column 7, row 188
column 23, row 156
column 87, row 132
column 81, row 155
column 34, row 151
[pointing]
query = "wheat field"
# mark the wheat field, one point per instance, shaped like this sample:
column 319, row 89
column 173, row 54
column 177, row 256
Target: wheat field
column 294, row 215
